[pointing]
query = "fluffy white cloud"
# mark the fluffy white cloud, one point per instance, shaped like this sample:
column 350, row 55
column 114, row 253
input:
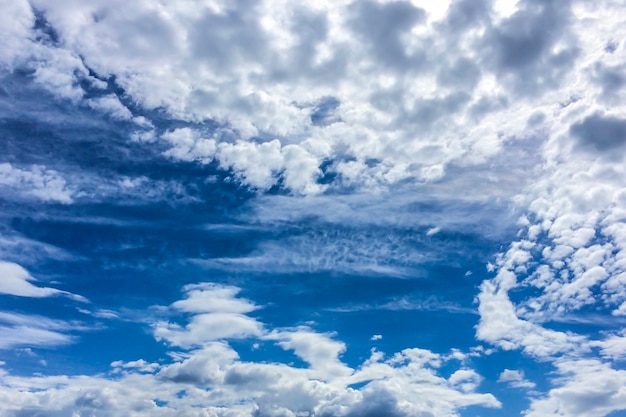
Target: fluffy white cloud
column 318, row 350
column 213, row 298
column 111, row 105
column 515, row 378
column 38, row 182
column 369, row 95
column 187, row 145
column 216, row 314
column 213, row 381
column 302, row 84
column 587, row 388
column 203, row 328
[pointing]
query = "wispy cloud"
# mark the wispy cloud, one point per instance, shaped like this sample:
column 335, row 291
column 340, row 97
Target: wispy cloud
column 17, row 281
column 32, row 330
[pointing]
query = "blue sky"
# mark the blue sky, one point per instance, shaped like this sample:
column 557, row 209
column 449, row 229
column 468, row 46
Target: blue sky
column 328, row 209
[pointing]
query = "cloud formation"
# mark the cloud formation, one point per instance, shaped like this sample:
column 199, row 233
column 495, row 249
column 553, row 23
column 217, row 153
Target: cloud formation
column 288, row 88
column 213, row 375
column 355, row 139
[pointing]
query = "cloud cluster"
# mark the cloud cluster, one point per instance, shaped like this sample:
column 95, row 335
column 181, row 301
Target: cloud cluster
column 208, row 378
column 346, row 105
column 567, row 263
column 38, row 182
column 374, row 93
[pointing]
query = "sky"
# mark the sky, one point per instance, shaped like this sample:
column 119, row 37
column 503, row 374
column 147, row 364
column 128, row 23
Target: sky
column 271, row 208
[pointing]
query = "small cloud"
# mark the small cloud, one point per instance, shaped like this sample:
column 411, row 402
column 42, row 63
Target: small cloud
column 17, row 281
column 38, row 182
column 515, row 379
column 376, row 337
column 433, row 231
column 25, row 352
column 138, row 365
column 100, row 313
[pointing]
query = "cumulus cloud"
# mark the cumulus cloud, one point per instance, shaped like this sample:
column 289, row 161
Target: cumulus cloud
column 519, row 101
column 318, row 350
column 570, row 255
column 214, row 379
column 216, row 314
column 515, row 378
column 385, row 91
column 587, row 388
column 39, row 182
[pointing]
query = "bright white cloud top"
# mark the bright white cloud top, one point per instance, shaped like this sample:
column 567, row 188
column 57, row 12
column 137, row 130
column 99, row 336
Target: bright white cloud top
column 277, row 208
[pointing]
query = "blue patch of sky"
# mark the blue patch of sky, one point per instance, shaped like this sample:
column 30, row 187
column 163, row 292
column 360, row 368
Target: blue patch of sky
column 160, row 403
column 324, row 113
column 46, row 33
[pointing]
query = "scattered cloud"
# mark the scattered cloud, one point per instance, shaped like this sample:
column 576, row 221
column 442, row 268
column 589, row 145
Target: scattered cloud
column 17, row 281
column 30, row 330
column 216, row 314
column 38, row 182
column 516, row 379
column 363, row 138
column 406, row 383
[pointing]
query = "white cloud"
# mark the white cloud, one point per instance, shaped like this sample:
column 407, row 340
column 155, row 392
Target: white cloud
column 139, row 365
column 586, row 388
column 110, row 105
column 17, row 281
column 515, row 378
column 187, row 145
column 30, row 330
column 15, row 26
column 203, row 328
column 216, row 314
column 466, row 379
column 502, row 99
column 213, row 380
column 303, row 84
column 20, row 249
column 613, row 346
column 206, row 366
column 433, row 231
column 213, row 298
column 318, row 350
column 38, row 182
